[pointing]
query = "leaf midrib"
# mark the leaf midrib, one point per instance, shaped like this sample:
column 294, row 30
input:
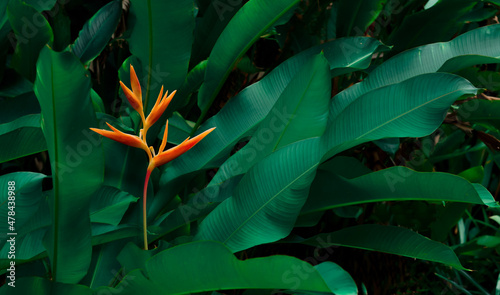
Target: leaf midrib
column 55, row 175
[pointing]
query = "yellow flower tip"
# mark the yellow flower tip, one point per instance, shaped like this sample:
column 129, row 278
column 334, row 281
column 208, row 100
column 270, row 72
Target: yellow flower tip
column 134, row 82
column 132, row 98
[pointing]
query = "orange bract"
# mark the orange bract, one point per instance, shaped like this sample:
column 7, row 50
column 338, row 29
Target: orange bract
column 166, row 156
column 121, row 137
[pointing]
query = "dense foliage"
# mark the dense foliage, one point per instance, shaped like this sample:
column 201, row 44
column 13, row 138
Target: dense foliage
column 356, row 147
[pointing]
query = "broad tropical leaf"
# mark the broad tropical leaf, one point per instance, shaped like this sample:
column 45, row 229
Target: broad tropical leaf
column 27, row 199
column 97, row 31
column 210, row 26
column 109, row 204
column 30, row 38
column 41, row 286
column 482, row 112
column 301, row 112
column 388, row 239
column 334, row 186
column 21, row 137
column 73, row 158
column 412, row 108
column 207, row 266
column 156, row 26
column 241, row 115
column 430, row 58
column 235, row 40
column 354, row 17
column 438, row 23
column 267, row 201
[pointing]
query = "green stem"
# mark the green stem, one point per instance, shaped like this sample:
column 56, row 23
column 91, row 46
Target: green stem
column 144, row 215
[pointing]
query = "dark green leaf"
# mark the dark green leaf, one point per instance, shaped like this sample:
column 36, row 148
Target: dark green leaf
column 97, row 31
column 396, row 110
column 484, row 41
column 210, row 26
column 334, row 187
column 267, row 201
column 438, row 23
column 21, row 137
column 241, row 114
column 301, row 112
column 235, row 40
column 482, row 112
column 354, row 17
column 109, row 204
column 32, row 31
column 76, row 162
column 41, row 286
column 207, row 266
column 161, row 39
column 388, row 239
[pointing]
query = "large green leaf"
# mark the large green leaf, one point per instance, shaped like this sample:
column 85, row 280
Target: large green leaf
column 193, row 81
column 109, row 204
column 21, row 137
column 27, row 188
column 97, row 31
column 425, row 59
column 63, row 90
column 35, row 221
column 354, row 17
column 104, row 268
column 32, row 31
column 207, row 266
column 438, row 23
column 210, row 26
column 161, row 39
column 108, row 209
column 412, row 108
column 334, row 186
column 267, row 201
column 235, row 40
column 241, row 114
column 41, row 5
column 14, row 87
column 483, row 112
column 388, row 239
column 301, row 112
column 243, row 220
column 41, row 286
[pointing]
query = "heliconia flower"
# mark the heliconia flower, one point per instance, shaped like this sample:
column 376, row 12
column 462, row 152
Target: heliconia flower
column 117, row 135
column 134, row 97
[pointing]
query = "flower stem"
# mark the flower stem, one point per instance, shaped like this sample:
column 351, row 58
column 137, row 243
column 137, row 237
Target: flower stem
column 144, row 213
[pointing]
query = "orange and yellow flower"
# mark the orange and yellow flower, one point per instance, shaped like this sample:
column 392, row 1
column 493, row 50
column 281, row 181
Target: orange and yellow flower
column 134, row 97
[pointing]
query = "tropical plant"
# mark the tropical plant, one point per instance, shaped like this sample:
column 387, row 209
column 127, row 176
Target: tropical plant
column 334, row 126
